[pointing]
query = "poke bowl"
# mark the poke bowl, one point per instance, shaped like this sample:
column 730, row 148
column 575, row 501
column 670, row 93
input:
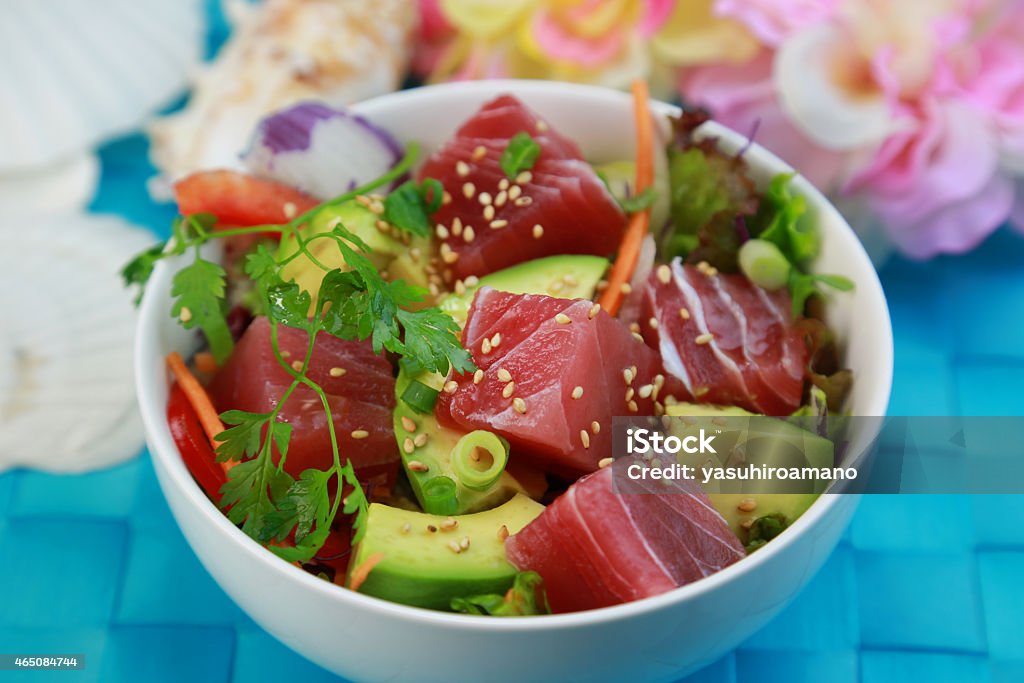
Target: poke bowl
column 660, row 637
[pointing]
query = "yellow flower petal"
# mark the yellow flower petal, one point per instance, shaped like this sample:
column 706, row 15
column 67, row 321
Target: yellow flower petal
column 694, row 35
column 485, row 18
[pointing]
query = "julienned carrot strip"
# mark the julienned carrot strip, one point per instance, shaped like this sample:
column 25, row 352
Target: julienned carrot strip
column 629, row 251
column 359, row 574
column 200, row 401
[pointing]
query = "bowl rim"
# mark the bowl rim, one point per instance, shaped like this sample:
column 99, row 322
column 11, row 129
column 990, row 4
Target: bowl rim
column 163, row 449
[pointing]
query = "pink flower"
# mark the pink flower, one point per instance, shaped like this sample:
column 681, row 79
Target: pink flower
column 743, row 98
column 772, row 20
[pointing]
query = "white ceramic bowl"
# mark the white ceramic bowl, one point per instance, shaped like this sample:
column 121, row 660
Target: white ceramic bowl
column 660, row 638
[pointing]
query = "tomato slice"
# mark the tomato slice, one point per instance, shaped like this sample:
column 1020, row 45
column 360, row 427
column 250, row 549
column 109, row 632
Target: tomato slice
column 240, row 200
column 192, row 443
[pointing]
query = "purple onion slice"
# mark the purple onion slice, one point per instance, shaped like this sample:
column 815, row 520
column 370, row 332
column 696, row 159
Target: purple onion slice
column 320, row 150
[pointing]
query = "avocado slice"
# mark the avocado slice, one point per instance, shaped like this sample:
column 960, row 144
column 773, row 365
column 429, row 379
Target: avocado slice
column 421, row 567
column 570, row 276
column 764, row 440
column 359, row 220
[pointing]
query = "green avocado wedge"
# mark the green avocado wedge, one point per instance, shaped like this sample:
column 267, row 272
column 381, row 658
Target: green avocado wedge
column 426, row 560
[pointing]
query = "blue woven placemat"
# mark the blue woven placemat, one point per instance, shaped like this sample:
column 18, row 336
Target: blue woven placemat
column 928, row 587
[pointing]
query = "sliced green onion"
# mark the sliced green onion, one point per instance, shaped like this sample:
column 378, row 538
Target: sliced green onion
column 440, row 496
column 420, row 397
column 764, row 264
column 478, row 459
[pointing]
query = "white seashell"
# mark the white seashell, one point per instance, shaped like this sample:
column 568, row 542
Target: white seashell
column 280, row 53
column 67, row 399
column 67, row 186
column 74, row 73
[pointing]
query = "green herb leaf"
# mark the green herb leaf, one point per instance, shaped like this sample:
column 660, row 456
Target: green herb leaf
column 520, row 155
column 289, row 305
column 304, row 507
column 639, row 202
column 765, row 529
column 199, row 291
column 138, row 270
column 802, row 286
column 431, row 338
column 781, row 219
column 407, row 208
column 245, row 438
column 526, row 597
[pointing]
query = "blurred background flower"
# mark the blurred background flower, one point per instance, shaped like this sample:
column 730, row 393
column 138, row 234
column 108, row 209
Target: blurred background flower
column 910, row 114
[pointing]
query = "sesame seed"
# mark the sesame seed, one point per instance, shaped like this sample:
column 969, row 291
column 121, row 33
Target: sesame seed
column 585, row 438
column 478, row 376
column 634, row 327
column 363, row 200
column 408, row 424
column 504, row 375
column 456, row 226
column 704, row 338
column 639, row 337
column 502, row 533
column 383, row 226
column 500, row 200
column 454, row 547
column 462, row 168
column 646, row 391
column 185, row 315
column 684, row 314
column 469, row 234
column 555, row 287
column 447, row 255
column 450, row 386
column 630, row 393
column 360, row 434
column 286, row 354
column 653, row 322
column 485, row 346
column 472, row 281
column 524, row 177
column 510, row 388
column 542, row 126
column 442, row 232
column 446, row 199
column 514, row 192
column 519, row 405
column 484, row 198
column 421, row 440
column 405, row 528
column 290, row 210
column 489, row 212
column 522, row 201
column 464, row 543
column 496, row 340
column 418, row 466
column 449, row 524
column 746, row 524
column 503, row 184
column 632, row 368
column 415, row 254
column 563, row 319
column 538, row 231
column 498, row 223
column 747, row 505
column 570, row 280
column 594, row 310
column 468, row 190
column 627, row 376
column 337, row 372
column 633, row 407
column 626, row 288
column 701, row 391
column 604, row 462
column 297, row 365
column 408, row 446
column 460, row 287
column 577, row 392
column 664, row 274
column 595, row 427
column 479, row 153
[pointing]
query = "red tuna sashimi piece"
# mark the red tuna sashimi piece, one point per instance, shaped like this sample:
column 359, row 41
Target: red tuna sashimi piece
column 549, row 347
column 734, row 345
column 597, row 547
column 362, row 398
column 561, row 193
